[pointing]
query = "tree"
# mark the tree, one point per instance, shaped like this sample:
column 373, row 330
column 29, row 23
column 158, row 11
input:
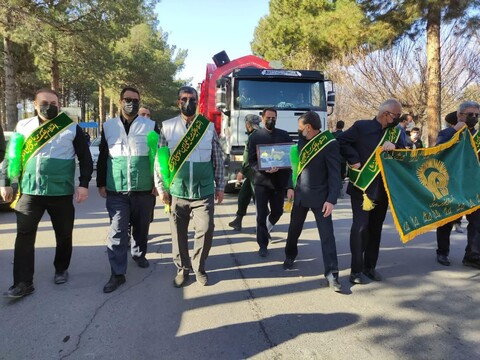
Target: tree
column 420, row 16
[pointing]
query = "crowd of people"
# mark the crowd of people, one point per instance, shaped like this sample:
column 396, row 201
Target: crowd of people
column 182, row 163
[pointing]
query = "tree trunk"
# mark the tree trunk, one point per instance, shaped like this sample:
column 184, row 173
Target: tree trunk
column 101, row 106
column 54, row 68
column 10, row 87
column 433, row 74
column 112, row 108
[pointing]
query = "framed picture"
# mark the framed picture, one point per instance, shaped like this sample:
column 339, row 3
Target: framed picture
column 274, row 155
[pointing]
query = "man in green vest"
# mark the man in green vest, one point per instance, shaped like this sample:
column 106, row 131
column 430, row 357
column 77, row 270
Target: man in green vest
column 192, row 182
column 125, row 179
column 47, row 182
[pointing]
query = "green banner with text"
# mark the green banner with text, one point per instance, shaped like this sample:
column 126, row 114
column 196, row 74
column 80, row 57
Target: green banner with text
column 430, row 187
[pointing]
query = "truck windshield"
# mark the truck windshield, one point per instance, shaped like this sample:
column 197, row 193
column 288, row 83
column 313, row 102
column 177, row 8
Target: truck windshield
column 280, row 94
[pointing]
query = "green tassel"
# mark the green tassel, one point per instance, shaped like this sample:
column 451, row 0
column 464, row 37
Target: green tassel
column 163, row 157
column 294, row 160
column 152, row 141
column 14, row 155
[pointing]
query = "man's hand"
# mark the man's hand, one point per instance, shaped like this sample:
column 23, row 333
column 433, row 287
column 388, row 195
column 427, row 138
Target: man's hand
column 239, row 176
column 290, row 195
column 459, row 125
column 6, row 193
column 327, row 209
column 102, row 190
column 272, row 170
column 154, row 191
column 81, row 194
column 387, row 146
column 356, row 166
column 165, row 197
column 219, row 197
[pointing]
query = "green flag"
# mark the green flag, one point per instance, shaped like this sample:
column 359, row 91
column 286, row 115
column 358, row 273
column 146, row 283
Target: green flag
column 430, row 187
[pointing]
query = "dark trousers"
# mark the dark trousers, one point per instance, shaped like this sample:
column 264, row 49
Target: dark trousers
column 132, row 208
column 244, row 196
column 325, row 230
column 366, row 233
column 472, row 250
column 264, row 197
column 202, row 210
column 29, row 212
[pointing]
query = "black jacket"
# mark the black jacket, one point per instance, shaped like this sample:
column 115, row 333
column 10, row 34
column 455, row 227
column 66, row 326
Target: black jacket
column 356, row 145
column 278, row 180
column 320, row 180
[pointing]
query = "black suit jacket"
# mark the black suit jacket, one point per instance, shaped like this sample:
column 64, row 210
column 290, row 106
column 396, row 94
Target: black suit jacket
column 320, row 180
column 356, row 145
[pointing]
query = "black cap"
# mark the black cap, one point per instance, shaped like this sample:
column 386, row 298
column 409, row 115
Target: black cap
column 451, row 118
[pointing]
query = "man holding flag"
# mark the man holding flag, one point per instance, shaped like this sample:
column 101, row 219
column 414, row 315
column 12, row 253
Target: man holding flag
column 315, row 185
column 44, row 160
column 467, row 114
column 191, row 177
column 368, row 196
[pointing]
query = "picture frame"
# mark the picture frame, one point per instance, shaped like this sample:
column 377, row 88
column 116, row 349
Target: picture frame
column 274, row 155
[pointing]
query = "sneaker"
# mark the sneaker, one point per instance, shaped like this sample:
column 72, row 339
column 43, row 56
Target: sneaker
column 202, row 278
column 357, row 278
column 20, row 290
column 181, row 279
column 141, row 261
column 61, row 277
column 263, row 252
column 443, row 259
column 472, row 262
column 333, row 282
column 458, row 228
column 288, row 263
column 372, row 274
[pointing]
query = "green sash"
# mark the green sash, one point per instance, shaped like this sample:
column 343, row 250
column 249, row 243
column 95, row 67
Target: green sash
column 476, row 139
column 38, row 139
column 362, row 178
column 42, row 135
column 187, row 144
column 311, row 149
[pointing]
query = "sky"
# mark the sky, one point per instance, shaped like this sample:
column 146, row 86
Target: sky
column 206, row 27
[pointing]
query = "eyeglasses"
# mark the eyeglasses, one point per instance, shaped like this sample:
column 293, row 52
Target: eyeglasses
column 185, row 99
column 470, row 114
column 130, row 100
column 271, row 118
column 395, row 116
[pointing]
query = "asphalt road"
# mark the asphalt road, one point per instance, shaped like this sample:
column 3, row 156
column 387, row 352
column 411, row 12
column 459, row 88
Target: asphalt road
column 252, row 309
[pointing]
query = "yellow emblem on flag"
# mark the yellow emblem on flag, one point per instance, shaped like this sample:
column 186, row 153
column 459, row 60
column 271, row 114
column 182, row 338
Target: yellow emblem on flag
column 433, row 175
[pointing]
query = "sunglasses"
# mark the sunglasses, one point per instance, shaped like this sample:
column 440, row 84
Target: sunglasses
column 130, row 100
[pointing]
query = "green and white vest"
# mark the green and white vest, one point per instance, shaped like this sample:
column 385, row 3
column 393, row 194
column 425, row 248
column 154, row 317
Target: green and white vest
column 195, row 179
column 51, row 172
column 128, row 164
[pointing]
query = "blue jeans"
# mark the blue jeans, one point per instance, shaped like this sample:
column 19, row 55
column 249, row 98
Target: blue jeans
column 132, row 208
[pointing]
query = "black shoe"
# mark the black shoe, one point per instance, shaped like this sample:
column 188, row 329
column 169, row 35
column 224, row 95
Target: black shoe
column 61, row 277
column 237, row 223
column 141, row 261
column 20, row 290
column 333, row 282
column 357, row 278
column 181, row 279
column 372, row 274
column 114, row 282
column 472, row 262
column 443, row 259
column 263, row 252
column 202, row 278
column 288, row 263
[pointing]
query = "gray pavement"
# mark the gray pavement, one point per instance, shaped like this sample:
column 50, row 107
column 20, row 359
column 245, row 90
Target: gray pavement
column 252, row 309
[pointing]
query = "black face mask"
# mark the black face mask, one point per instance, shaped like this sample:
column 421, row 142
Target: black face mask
column 270, row 124
column 49, row 111
column 131, row 108
column 394, row 123
column 471, row 121
column 300, row 135
column 189, row 108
